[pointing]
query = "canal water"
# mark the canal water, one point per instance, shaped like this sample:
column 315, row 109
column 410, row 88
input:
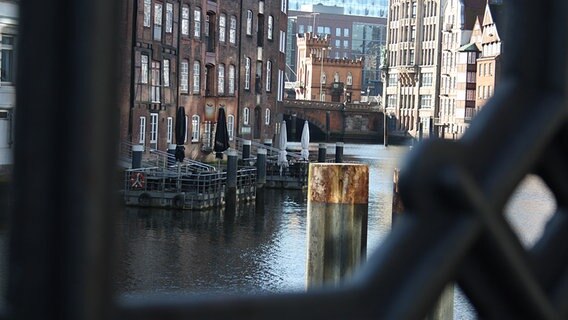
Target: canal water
column 262, row 248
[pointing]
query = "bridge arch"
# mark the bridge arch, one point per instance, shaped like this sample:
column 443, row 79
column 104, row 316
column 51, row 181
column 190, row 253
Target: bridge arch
column 317, row 130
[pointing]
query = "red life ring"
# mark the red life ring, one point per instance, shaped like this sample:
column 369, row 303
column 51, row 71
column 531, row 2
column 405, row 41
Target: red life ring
column 137, row 180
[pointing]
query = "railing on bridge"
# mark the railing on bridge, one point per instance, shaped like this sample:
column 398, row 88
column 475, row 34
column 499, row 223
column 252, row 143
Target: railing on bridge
column 454, row 192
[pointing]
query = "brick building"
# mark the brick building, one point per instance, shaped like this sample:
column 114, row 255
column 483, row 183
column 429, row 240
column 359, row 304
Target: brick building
column 323, row 78
column 203, row 56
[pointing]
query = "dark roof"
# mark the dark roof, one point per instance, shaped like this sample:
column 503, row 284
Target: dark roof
column 472, row 9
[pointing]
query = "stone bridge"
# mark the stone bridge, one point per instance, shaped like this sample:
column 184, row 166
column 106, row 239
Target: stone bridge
column 334, row 121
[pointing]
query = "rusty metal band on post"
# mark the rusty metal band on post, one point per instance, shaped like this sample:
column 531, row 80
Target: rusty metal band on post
column 338, row 183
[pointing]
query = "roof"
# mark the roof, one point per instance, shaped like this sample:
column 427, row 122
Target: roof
column 470, row 47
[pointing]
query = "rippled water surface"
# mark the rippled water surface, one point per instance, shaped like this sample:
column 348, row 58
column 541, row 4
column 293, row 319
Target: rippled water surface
column 262, row 248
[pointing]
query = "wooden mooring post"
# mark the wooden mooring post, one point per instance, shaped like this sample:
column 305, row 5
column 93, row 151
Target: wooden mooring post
column 339, row 152
column 338, row 197
column 246, row 149
column 137, row 151
column 260, row 168
column 322, row 152
column 444, row 309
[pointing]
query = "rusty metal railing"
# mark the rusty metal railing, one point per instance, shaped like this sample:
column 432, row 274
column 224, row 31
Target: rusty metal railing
column 60, row 261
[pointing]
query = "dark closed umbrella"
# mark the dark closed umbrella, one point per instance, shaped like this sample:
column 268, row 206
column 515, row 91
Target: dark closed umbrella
column 180, row 134
column 221, row 134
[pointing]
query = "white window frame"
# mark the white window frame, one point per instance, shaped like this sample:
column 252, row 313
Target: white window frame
column 197, row 22
column 142, row 131
column 267, row 117
column 280, row 94
column 186, row 128
column 349, row 80
column 268, row 76
column 231, row 126
column 231, row 79
column 196, row 77
column 169, row 17
column 195, row 123
column 282, row 41
column 247, row 73
column 233, row 30
column 246, row 116
column 185, row 20
column 222, row 27
column 184, row 77
column 154, row 128
column 155, row 93
column 166, row 71
column 249, row 23
column 144, row 63
column 170, row 132
column 284, row 6
column 147, row 13
column 270, row 34
column 8, row 59
column 221, row 79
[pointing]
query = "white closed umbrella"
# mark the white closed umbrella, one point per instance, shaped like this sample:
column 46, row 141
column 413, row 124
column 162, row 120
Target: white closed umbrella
column 305, row 141
column 282, row 143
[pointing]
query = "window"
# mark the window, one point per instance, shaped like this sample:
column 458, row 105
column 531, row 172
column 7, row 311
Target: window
column 282, row 41
column 142, row 134
column 411, row 54
column 185, row 21
column 280, row 94
column 155, row 90
column 233, row 30
column 412, row 33
column 195, row 128
column 427, row 79
column 169, row 17
column 270, row 34
column 154, row 128
column 268, row 76
column 323, row 77
column 471, row 57
column 196, row 77
column 346, row 44
column 170, row 133
column 222, row 27
column 267, row 117
column 301, row 28
column 147, row 12
column 144, row 68
column 349, row 79
column 221, row 79
column 247, row 74
column 392, row 80
column 425, row 101
column 470, row 95
column 338, row 43
column 158, row 21
column 184, row 77
column 336, row 77
column 283, row 6
column 391, row 101
column 471, row 77
column 413, row 9
column 186, row 128
column 249, row 23
column 346, row 32
column 197, row 22
column 166, row 73
column 231, row 79
column 338, row 32
column 246, row 116
column 7, row 66
column 231, row 126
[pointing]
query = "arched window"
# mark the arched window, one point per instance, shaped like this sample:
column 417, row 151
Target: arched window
column 323, row 78
column 267, row 117
column 195, row 128
column 196, row 77
column 185, row 20
column 197, row 22
column 231, row 80
column 247, row 73
column 221, row 79
column 349, row 79
column 268, row 76
column 222, row 27
column 233, row 30
column 246, row 116
column 249, row 23
column 336, row 77
column 184, row 77
column 231, row 126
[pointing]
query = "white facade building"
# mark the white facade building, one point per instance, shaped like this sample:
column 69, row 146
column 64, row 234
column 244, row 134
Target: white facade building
column 8, row 33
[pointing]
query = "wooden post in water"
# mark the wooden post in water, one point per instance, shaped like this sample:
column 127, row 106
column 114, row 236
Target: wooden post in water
column 322, row 150
column 137, row 151
column 338, row 197
column 231, row 192
column 444, row 309
column 260, row 168
column 339, row 152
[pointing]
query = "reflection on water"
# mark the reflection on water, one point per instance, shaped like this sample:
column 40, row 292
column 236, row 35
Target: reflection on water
column 262, row 248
